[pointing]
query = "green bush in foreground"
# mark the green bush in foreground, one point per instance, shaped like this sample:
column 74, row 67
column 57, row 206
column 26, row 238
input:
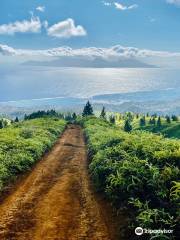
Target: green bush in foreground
column 139, row 170
column 23, row 143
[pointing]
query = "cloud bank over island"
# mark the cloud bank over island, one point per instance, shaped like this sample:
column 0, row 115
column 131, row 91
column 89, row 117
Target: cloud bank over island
column 115, row 56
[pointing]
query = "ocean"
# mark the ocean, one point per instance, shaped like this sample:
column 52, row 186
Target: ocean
column 27, row 83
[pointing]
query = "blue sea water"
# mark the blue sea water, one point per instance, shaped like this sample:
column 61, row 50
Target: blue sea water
column 51, row 82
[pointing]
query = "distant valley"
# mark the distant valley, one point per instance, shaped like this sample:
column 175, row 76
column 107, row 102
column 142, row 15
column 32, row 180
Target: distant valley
column 160, row 101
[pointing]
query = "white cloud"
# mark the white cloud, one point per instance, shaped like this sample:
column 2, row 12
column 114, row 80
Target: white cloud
column 33, row 25
column 97, row 56
column 175, row 2
column 7, row 51
column 122, row 7
column 106, row 3
column 91, row 52
column 66, row 29
column 40, row 8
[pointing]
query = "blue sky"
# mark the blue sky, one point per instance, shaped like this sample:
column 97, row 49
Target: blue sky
column 38, row 38
column 153, row 24
column 96, row 30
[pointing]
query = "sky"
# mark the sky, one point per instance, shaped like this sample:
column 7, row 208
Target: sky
column 109, row 29
column 36, row 35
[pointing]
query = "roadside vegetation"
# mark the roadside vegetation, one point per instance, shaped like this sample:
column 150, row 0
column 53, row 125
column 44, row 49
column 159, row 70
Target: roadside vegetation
column 132, row 159
column 168, row 126
column 23, row 143
column 137, row 170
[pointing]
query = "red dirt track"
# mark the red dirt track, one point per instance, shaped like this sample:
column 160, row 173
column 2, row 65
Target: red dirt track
column 56, row 200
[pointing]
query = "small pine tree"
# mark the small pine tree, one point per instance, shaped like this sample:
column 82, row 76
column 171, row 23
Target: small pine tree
column 142, row 121
column 16, row 120
column 127, row 126
column 68, row 116
column 129, row 116
column 88, row 110
column 159, row 124
column 112, row 119
column 25, row 117
column 103, row 113
column 1, row 124
column 154, row 115
column 168, row 119
column 74, row 116
column 174, row 118
column 152, row 121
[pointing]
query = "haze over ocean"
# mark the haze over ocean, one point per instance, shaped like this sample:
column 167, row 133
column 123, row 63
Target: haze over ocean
column 49, row 82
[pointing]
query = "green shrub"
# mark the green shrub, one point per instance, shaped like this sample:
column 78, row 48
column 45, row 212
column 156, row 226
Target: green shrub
column 139, row 170
column 27, row 133
column 23, row 143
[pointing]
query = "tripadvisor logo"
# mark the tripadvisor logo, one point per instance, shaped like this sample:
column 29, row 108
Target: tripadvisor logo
column 139, row 231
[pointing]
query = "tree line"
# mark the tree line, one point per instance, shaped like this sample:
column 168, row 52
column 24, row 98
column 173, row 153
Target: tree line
column 88, row 111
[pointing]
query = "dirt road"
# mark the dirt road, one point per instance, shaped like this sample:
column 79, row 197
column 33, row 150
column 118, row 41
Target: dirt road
column 56, row 201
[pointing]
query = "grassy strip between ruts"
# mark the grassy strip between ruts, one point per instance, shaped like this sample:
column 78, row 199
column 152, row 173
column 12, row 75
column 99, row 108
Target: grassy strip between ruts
column 139, row 170
column 22, row 144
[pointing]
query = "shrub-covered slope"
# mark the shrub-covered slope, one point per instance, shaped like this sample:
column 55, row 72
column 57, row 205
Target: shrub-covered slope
column 139, row 170
column 22, row 144
column 168, row 130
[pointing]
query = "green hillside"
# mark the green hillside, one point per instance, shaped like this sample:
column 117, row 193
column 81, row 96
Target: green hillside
column 139, row 170
column 170, row 130
column 22, row 144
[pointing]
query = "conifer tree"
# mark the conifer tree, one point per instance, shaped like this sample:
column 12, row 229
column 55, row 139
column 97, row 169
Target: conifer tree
column 16, row 119
column 74, row 116
column 152, row 121
column 1, row 124
column 129, row 116
column 127, row 126
column 112, row 119
column 88, row 110
column 159, row 124
column 103, row 113
column 25, row 117
column 168, row 119
column 142, row 121
column 174, row 118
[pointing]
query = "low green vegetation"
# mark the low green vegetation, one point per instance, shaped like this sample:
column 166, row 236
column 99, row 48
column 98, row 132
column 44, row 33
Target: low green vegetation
column 169, row 126
column 139, row 170
column 171, row 130
column 40, row 114
column 134, row 167
column 4, row 122
column 23, row 143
